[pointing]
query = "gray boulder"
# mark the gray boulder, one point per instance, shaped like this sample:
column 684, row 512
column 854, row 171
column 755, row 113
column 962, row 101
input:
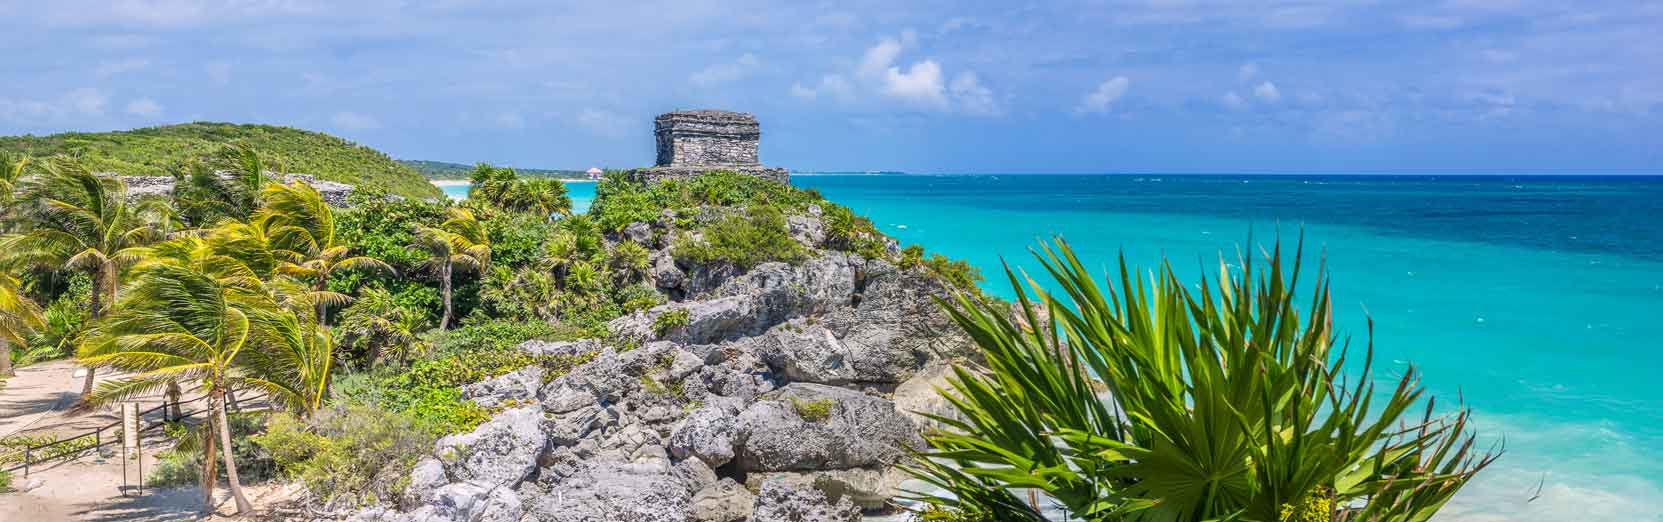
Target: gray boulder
column 639, row 232
column 501, row 452
column 723, row 501
column 781, row 432
column 708, row 434
column 609, row 490
column 519, row 385
column 779, row 502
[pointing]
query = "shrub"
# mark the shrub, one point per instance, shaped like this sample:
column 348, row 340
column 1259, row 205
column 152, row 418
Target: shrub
column 5, row 481
column 956, row 272
column 516, row 239
column 430, row 389
column 181, row 465
column 938, row 514
column 361, row 453
column 669, row 321
column 620, row 201
column 746, row 239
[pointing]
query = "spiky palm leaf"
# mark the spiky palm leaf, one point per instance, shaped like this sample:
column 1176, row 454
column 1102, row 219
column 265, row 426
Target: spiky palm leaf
column 459, row 243
column 74, row 219
column 1226, row 403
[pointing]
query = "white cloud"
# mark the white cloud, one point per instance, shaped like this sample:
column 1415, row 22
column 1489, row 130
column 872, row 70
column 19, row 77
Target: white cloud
column 1102, row 99
column 726, row 72
column 972, row 97
column 1267, row 91
column 354, row 121
column 921, row 83
column 604, row 122
column 124, row 66
column 1248, row 71
column 145, row 107
column 878, row 58
column 76, row 104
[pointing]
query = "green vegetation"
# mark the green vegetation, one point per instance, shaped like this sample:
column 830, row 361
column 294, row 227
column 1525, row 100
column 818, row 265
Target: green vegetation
column 359, row 326
column 1235, row 407
column 757, row 236
column 502, row 188
column 669, row 321
column 358, row 452
column 437, row 170
column 167, row 150
column 813, row 411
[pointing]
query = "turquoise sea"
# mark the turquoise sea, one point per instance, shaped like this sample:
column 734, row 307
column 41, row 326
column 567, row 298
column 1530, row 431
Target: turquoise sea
column 1539, row 300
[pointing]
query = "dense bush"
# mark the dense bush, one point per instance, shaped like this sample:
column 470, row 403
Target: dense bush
column 754, row 237
column 620, row 201
column 430, row 389
column 351, row 454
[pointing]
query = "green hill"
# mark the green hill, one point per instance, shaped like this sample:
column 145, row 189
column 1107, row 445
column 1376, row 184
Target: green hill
column 153, row 151
column 443, row 170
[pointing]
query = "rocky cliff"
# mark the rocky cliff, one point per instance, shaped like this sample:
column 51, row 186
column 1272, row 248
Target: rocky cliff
column 779, row 393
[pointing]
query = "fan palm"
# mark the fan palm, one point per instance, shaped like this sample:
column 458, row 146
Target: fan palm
column 178, row 324
column 1224, row 403
column 77, row 220
column 303, row 222
column 460, row 243
column 18, row 317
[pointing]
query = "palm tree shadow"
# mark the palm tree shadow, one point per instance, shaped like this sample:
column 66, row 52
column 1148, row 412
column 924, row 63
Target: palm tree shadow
column 155, row 505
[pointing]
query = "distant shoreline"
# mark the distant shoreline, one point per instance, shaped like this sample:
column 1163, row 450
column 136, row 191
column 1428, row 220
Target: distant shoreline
column 464, row 183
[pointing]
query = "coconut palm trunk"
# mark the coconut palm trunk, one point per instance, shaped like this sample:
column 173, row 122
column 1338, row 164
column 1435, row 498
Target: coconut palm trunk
column 105, row 270
column 444, row 285
column 210, row 469
column 217, row 397
column 6, row 360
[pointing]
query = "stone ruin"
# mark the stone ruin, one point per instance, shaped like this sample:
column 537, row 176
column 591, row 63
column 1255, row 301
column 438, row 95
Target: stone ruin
column 699, row 141
column 334, row 193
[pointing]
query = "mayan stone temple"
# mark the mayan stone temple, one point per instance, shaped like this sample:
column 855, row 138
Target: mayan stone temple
column 699, row 141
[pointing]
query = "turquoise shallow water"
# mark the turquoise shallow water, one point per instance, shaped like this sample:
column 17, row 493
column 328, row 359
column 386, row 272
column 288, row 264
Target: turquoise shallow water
column 582, row 193
column 1538, row 300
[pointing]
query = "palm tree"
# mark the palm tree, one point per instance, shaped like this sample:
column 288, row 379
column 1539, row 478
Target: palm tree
column 303, row 222
column 1224, row 403
column 460, row 243
column 77, row 220
column 12, row 168
column 178, row 324
column 546, row 197
column 380, row 326
column 247, row 176
column 18, row 317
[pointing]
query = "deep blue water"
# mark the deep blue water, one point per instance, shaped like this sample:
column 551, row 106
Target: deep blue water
column 1539, row 300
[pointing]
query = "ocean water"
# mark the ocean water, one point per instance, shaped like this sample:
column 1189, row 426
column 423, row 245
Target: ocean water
column 1538, row 300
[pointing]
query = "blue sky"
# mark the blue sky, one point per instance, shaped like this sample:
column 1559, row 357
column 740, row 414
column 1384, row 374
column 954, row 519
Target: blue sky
column 1003, row 86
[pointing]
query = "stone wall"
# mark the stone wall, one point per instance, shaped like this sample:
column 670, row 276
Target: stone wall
column 334, row 193
column 699, row 141
column 706, row 137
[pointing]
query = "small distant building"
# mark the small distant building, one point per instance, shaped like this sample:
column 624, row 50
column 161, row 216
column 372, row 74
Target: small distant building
column 699, row 141
column 594, row 173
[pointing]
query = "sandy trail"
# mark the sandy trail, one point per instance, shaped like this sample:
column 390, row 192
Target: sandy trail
column 39, row 401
